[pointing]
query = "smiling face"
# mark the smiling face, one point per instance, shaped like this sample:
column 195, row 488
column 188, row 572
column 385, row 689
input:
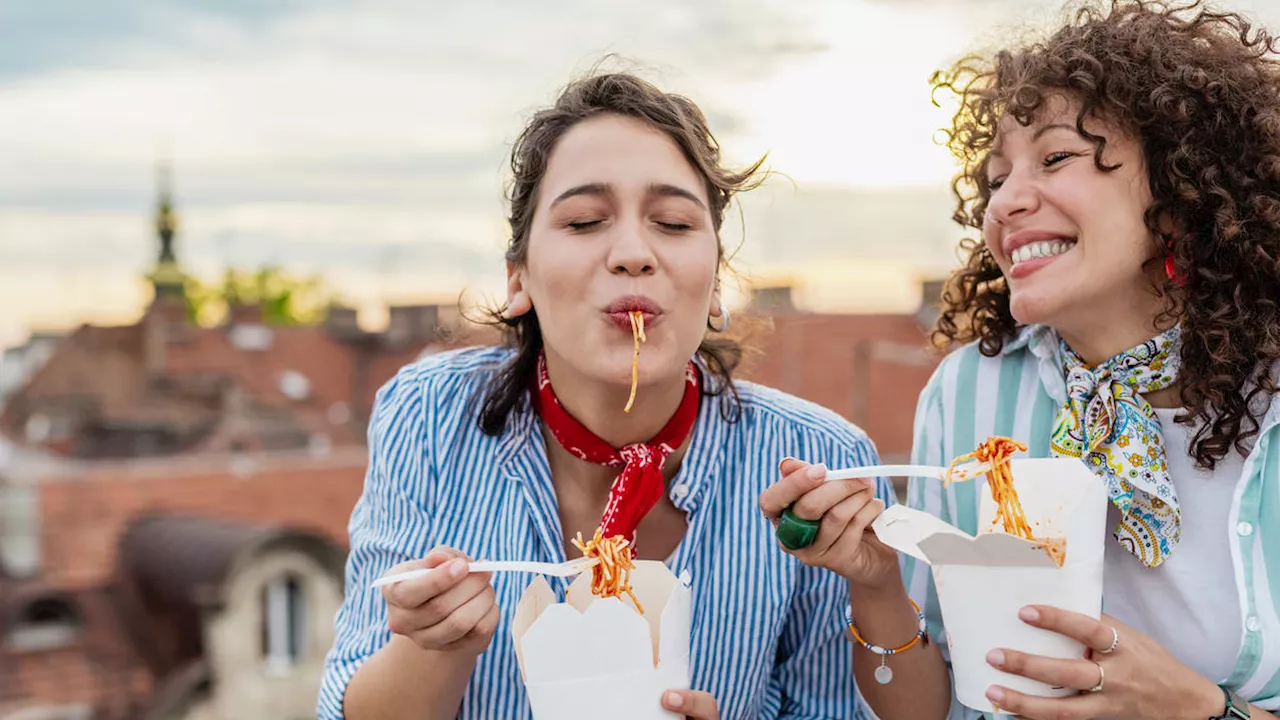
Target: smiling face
column 621, row 224
column 1069, row 238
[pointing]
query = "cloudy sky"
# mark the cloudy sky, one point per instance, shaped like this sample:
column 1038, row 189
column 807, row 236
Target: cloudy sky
column 366, row 140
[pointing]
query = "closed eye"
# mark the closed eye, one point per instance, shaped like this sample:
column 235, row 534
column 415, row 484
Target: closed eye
column 1055, row 158
column 674, row 227
column 583, row 225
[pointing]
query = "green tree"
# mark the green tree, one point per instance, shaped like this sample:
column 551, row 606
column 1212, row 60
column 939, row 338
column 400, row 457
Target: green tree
column 284, row 299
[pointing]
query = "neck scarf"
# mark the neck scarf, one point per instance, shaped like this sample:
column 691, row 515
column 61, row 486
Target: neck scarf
column 1107, row 423
column 640, row 484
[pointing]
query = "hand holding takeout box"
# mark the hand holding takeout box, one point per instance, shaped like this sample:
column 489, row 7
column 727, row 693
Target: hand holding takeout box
column 982, row 582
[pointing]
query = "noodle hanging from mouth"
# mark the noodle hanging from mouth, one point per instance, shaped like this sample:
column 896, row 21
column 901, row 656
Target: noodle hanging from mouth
column 637, row 335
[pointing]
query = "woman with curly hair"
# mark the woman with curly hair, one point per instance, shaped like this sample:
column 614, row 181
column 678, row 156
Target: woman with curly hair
column 1122, row 307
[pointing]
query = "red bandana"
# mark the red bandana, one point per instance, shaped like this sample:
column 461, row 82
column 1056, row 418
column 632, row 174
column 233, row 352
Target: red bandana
column 640, row 485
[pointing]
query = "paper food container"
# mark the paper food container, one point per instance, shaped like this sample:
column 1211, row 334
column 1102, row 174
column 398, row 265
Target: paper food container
column 589, row 657
column 982, row 582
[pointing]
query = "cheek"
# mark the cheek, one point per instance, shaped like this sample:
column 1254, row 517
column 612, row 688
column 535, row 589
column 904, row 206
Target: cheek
column 553, row 270
column 695, row 272
column 991, row 239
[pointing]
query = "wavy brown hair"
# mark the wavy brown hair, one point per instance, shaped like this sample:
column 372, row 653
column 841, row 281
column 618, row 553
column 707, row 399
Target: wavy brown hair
column 675, row 116
column 1200, row 90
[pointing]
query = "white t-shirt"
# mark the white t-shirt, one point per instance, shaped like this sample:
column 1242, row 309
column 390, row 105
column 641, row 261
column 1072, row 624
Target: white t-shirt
column 1189, row 604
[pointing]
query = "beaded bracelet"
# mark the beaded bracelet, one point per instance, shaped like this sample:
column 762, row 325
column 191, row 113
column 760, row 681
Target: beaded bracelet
column 884, row 674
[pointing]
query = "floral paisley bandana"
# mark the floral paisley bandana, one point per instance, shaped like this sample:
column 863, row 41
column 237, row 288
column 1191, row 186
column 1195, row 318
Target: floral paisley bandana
column 1107, row 423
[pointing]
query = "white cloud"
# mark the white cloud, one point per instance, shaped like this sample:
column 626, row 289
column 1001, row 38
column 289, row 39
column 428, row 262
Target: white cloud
column 368, row 140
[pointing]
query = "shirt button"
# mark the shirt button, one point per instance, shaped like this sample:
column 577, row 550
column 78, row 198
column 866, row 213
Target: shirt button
column 1253, row 624
column 680, row 490
column 1244, row 529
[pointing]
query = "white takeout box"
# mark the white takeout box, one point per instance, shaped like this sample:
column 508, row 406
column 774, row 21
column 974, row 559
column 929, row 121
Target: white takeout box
column 590, row 657
column 982, row 582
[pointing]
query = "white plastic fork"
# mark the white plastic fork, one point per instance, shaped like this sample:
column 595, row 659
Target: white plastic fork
column 569, row 568
column 968, row 471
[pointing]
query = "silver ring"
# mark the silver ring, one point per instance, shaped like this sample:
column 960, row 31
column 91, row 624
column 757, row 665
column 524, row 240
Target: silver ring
column 1102, row 678
column 1115, row 642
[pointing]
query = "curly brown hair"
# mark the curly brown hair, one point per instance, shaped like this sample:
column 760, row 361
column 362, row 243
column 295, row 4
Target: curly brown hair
column 1200, row 90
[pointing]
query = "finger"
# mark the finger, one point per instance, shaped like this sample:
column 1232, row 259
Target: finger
column 458, row 624
column 1056, row 673
column 1093, row 633
column 1074, row 707
column 790, row 465
column 780, row 495
column 816, row 503
column 837, row 522
column 411, row 593
column 482, row 631
column 691, row 703
column 441, row 554
column 857, row 531
column 441, row 606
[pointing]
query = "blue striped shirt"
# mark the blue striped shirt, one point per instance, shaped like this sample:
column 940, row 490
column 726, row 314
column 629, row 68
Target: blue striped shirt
column 1017, row 394
column 768, row 639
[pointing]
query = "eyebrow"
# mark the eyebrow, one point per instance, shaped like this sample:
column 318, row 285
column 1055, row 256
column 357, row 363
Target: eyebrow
column 1040, row 131
column 665, row 190
column 588, row 189
column 1055, row 126
column 598, row 189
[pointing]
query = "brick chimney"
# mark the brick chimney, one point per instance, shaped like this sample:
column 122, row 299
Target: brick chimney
column 773, row 300
column 413, row 325
column 343, row 324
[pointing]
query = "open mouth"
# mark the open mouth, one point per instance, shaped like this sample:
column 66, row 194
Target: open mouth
column 1041, row 249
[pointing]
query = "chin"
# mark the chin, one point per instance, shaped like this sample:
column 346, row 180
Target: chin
column 1031, row 309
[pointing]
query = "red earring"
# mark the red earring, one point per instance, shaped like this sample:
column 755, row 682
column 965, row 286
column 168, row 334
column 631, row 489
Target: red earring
column 1170, row 269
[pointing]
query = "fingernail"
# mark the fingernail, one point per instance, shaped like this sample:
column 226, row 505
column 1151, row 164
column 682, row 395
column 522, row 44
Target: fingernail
column 1029, row 614
column 995, row 694
column 995, row 658
column 457, row 569
column 674, row 699
column 816, row 472
column 783, row 462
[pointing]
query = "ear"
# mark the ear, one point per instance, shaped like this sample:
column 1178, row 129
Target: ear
column 717, row 302
column 518, row 300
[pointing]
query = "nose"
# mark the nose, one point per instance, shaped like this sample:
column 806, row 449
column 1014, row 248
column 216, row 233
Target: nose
column 631, row 253
column 1016, row 197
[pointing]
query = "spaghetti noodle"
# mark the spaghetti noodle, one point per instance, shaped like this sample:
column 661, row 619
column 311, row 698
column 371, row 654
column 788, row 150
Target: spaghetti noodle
column 997, row 451
column 637, row 335
column 611, row 576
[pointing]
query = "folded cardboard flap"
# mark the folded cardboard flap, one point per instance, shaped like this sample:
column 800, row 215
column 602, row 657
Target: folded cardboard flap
column 995, row 549
column 537, row 598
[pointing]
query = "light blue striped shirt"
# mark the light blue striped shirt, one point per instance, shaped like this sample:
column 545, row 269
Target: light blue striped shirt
column 768, row 639
column 1017, row 394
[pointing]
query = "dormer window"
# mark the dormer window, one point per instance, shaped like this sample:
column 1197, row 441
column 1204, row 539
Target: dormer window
column 43, row 624
column 284, row 624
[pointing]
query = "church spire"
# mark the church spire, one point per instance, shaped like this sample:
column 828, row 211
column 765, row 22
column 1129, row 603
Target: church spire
column 167, row 278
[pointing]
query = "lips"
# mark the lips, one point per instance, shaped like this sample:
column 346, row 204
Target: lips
column 619, row 311
column 633, row 303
